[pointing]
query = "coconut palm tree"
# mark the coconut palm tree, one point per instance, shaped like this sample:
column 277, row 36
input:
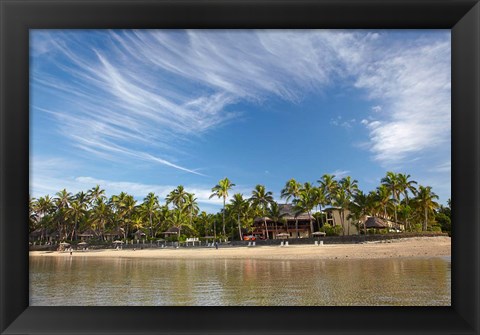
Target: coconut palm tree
column 360, row 207
column 306, row 202
column 346, row 190
column 178, row 219
column 221, row 191
column 77, row 211
column 239, row 207
column 328, row 185
column 391, row 181
column 177, row 197
column 425, row 201
column 149, row 206
column 291, row 190
column 101, row 214
column 191, row 206
column 320, row 201
column 404, row 186
column 204, row 222
column 275, row 215
column 261, row 199
column 126, row 206
column 342, row 201
column 95, row 193
column 383, row 200
column 62, row 203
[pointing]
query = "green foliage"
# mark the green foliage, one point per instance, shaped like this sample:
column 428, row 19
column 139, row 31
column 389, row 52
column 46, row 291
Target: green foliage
column 332, row 230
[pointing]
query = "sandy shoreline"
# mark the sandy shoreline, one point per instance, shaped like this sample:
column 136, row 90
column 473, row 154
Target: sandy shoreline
column 408, row 247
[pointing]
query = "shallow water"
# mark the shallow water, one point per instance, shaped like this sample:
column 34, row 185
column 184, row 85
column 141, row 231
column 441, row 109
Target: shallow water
column 82, row 281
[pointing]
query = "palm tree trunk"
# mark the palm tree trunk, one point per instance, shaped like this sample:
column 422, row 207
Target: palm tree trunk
column 311, row 224
column 151, row 228
column 296, row 226
column 266, row 228
column 239, row 228
column 224, row 233
column 426, row 220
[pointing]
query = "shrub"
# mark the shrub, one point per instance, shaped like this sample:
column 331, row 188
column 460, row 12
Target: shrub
column 332, row 230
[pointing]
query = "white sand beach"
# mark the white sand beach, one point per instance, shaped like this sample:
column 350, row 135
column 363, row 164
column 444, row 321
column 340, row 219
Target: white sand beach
column 408, row 247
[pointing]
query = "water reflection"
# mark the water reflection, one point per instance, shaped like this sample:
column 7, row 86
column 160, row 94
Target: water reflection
column 83, row 281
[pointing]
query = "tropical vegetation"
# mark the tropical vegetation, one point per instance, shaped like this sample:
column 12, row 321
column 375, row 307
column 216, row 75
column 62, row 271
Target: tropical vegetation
column 398, row 198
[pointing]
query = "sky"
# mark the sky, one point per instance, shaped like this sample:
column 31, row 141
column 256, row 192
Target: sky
column 147, row 110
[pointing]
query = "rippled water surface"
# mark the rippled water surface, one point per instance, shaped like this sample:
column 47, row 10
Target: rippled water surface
column 153, row 282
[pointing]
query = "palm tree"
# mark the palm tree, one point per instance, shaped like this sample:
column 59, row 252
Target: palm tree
column 100, row 215
column 77, row 210
column 344, row 193
column 205, row 221
column 149, row 206
column 291, row 189
column 275, row 215
column 239, row 206
column 177, row 220
column 177, row 197
column 125, row 205
column 328, row 185
column 221, row 191
column 405, row 185
column 191, row 206
column 95, row 193
column 391, row 181
column 261, row 199
column 425, row 201
column 306, row 202
column 342, row 201
column 62, row 202
column 320, row 201
column 360, row 208
column 383, row 199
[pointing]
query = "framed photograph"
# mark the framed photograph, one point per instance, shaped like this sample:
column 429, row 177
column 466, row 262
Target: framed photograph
column 152, row 165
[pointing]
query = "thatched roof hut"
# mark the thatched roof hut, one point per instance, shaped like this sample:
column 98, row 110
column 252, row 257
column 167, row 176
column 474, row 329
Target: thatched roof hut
column 87, row 233
column 377, row 223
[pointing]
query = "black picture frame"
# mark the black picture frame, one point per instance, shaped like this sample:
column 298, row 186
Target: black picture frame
column 18, row 16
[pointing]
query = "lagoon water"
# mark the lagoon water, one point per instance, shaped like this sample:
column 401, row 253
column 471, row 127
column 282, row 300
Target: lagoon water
column 82, row 281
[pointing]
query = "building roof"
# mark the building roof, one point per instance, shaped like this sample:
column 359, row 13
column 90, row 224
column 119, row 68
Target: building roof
column 374, row 222
column 288, row 212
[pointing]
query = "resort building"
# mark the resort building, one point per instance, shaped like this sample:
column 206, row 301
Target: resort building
column 334, row 218
column 289, row 225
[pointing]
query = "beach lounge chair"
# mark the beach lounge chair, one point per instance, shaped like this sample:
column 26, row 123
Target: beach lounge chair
column 253, row 243
column 281, row 244
column 249, row 244
column 316, row 243
column 286, row 243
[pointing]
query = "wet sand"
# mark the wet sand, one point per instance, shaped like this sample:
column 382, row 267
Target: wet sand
column 408, row 247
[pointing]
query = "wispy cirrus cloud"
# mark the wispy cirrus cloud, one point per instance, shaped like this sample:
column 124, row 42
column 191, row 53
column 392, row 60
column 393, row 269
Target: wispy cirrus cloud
column 145, row 94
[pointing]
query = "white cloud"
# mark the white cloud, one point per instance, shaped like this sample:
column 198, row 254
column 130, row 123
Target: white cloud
column 339, row 174
column 148, row 93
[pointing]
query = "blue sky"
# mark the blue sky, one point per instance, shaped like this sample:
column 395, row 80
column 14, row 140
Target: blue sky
column 144, row 111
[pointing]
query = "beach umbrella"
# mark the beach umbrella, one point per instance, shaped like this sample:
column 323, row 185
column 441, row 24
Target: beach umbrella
column 283, row 235
column 65, row 244
column 118, row 242
column 319, row 233
column 83, row 243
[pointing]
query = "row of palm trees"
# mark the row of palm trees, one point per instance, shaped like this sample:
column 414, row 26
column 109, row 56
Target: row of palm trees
column 397, row 198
